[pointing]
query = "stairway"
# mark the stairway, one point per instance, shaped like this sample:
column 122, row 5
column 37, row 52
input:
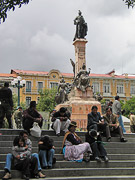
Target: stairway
column 121, row 165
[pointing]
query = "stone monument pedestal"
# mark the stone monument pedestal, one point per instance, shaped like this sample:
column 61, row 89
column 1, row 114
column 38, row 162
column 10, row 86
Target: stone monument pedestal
column 79, row 106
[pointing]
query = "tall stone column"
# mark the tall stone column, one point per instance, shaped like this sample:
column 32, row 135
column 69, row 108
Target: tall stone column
column 79, row 54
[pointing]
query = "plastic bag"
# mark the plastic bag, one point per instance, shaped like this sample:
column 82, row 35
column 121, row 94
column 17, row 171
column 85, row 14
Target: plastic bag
column 35, row 131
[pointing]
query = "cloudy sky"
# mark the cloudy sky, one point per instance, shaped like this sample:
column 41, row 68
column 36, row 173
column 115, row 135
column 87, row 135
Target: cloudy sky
column 39, row 36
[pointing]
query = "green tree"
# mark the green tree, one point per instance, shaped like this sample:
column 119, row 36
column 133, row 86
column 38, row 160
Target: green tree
column 130, row 3
column 129, row 106
column 15, row 102
column 7, row 5
column 47, row 100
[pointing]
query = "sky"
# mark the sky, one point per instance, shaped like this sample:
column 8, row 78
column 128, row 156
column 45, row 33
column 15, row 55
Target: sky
column 39, row 36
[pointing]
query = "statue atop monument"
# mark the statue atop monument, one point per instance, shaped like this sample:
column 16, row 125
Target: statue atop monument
column 81, row 26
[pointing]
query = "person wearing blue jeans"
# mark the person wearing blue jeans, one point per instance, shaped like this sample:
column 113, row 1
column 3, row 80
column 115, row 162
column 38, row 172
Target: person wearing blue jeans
column 121, row 123
column 46, row 151
column 116, row 108
column 9, row 158
column 47, row 157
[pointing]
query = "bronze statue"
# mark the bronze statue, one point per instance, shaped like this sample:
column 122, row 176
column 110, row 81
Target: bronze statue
column 63, row 91
column 81, row 26
column 82, row 80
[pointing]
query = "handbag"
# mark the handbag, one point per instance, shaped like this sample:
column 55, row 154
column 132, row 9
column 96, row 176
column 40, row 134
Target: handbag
column 35, row 130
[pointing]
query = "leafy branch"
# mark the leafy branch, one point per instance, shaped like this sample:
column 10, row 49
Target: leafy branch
column 130, row 3
column 7, row 5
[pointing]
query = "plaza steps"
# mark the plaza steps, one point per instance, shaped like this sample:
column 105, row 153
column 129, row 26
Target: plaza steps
column 121, row 163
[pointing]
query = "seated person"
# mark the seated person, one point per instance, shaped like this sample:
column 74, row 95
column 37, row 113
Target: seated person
column 23, row 160
column 60, row 121
column 113, row 123
column 30, row 116
column 96, row 122
column 96, row 144
column 46, row 152
column 132, row 122
column 73, row 148
column 9, row 158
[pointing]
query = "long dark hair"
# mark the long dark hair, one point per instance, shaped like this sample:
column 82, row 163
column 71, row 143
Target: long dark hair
column 17, row 139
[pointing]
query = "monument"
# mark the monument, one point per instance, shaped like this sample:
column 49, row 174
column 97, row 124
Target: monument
column 81, row 98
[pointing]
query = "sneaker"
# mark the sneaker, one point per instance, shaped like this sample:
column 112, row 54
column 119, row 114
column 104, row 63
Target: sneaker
column 97, row 159
column 7, row 176
column 106, row 159
column 41, row 175
column 123, row 140
column 109, row 139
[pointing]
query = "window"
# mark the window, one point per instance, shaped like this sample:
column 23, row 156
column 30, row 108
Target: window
column 53, row 85
column 28, row 100
column 96, row 87
column 120, row 89
column 106, row 88
column 28, row 86
column 132, row 89
column 40, row 86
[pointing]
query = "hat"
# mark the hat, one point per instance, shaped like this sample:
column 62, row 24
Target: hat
column 72, row 123
column 33, row 104
column 93, row 133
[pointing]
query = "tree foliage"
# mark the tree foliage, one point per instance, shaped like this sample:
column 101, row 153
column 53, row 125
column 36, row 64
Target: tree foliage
column 130, row 3
column 7, row 5
column 47, row 100
column 129, row 106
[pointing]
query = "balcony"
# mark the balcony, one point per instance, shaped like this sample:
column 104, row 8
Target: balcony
column 33, row 91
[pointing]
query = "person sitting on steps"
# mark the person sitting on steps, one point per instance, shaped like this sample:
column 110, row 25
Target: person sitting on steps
column 60, row 121
column 96, row 144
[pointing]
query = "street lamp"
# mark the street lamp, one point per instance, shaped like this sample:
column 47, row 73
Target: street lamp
column 18, row 83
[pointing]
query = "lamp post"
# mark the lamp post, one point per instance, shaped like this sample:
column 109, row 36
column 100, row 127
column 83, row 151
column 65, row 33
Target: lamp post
column 18, row 83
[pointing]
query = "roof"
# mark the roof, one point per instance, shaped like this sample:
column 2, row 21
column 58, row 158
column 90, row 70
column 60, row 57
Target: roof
column 109, row 75
column 7, row 75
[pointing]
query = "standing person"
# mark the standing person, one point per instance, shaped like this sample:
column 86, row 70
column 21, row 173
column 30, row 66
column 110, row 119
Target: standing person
column 46, row 151
column 96, row 122
column 73, row 147
column 6, row 104
column 18, row 116
column 132, row 122
column 60, row 121
column 30, row 116
column 96, row 144
column 116, row 109
column 23, row 160
column 112, row 121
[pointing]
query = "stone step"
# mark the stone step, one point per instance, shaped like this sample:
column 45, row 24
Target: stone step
column 91, row 164
column 59, row 144
column 5, row 150
column 60, row 157
column 89, row 178
column 83, row 172
column 49, row 132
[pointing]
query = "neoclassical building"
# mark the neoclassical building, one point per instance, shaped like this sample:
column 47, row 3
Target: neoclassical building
column 108, row 85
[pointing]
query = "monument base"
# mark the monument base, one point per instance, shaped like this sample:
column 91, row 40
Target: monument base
column 79, row 106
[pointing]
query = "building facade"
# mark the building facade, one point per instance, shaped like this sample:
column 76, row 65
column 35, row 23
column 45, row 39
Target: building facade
column 108, row 85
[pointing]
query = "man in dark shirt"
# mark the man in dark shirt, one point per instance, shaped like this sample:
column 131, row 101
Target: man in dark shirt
column 30, row 116
column 96, row 122
column 60, row 121
column 6, row 104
